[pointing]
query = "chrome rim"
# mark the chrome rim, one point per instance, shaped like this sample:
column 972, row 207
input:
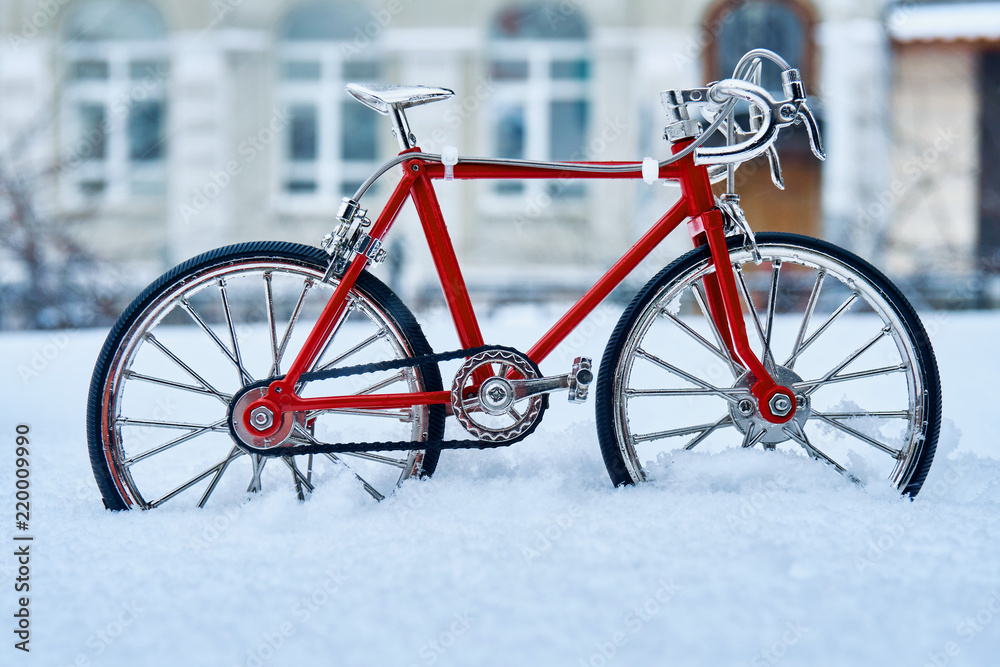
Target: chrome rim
column 819, row 326
column 167, row 393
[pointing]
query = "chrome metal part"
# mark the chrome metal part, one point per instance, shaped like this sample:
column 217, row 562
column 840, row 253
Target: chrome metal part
column 262, row 419
column 736, row 220
column 506, row 405
column 393, row 100
column 580, row 378
column 780, row 405
column 748, row 420
column 349, row 240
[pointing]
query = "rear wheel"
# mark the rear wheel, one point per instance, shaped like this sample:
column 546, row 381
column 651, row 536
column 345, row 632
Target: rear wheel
column 826, row 323
column 161, row 391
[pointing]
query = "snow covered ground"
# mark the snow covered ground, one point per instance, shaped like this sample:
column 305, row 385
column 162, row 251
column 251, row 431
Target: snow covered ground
column 517, row 556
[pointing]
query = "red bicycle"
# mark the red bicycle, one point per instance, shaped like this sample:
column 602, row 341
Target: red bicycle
column 272, row 351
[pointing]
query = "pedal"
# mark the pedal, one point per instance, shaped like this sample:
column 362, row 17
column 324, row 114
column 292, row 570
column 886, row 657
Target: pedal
column 579, row 380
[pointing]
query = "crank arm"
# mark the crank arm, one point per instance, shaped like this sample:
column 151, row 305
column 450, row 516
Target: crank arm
column 577, row 381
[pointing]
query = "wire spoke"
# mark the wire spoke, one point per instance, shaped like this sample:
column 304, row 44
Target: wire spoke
column 377, row 458
column 726, row 420
column 351, row 305
column 860, row 414
column 381, row 333
column 401, row 415
column 795, row 431
column 850, row 358
column 306, row 286
column 234, row 453
column 155, row 423
column 894, row 453
column 875, row 372
column 300, row 479
column 735, row 365
column 173, row 443
column 686, row 430
column 194, row 480
column 772, row 299
column 232, row 333
column 752, row 436
column 826, row 325
column 372, row 491
column 174, row 358
column 189, row 309
column 398, row 377
column 271, row 325
column 724, row 393
column 728, row 394
column 741, row 282
column 697, row 337
column 258, row 467
column 810, row 307
column 132, row 375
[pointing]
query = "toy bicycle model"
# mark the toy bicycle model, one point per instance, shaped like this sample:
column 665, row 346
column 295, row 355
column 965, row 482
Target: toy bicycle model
column 272, row 352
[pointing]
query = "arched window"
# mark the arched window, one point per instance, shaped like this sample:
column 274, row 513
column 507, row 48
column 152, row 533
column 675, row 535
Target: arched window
column 541, row 71
column 114, row 61
column 783, row 26
column 332, row 142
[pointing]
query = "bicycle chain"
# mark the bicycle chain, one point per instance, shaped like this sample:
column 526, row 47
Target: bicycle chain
column 394, row 445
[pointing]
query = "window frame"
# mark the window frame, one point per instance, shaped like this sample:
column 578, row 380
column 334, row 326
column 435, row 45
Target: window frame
column 535, row 93
column 719, row 14
column 118, row 94
column 330, row 170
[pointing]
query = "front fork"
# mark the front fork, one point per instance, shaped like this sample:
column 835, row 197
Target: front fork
column 776, row 403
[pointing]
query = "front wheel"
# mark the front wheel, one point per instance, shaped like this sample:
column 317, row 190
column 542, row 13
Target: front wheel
column 824, row 322
column 183, row 351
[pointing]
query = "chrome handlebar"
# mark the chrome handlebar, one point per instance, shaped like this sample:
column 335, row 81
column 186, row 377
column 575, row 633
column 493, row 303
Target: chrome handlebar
column 767, row 116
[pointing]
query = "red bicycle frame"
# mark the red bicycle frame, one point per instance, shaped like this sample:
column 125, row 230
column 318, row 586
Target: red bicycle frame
column 696, row 205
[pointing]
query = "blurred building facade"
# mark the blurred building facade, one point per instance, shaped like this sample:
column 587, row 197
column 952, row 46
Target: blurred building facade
column 152, row 130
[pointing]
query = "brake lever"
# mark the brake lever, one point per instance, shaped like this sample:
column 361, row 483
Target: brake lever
column 756, row 117
column 806, row 117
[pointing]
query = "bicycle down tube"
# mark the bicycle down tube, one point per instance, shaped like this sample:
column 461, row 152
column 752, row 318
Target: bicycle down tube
column 696, row 204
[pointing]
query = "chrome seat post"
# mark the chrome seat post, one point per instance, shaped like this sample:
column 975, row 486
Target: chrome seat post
column 401, row 129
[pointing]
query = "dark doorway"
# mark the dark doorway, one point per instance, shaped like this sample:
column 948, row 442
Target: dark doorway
column 989, row 161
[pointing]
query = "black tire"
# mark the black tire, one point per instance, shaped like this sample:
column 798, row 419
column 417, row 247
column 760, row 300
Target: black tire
column 648, row 412
column 218, row 322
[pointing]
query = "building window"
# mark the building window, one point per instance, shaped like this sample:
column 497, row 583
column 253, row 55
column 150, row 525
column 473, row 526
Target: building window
column 783, row 26
column 332, row 144
column 113, row 110
column 539, row 64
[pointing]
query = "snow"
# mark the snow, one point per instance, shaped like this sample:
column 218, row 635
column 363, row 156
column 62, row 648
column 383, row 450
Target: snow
column 524, row 555
column 949, row 21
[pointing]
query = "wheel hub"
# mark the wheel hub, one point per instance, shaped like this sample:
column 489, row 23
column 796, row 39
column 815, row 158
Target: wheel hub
column 260, row 420
column 745, row 412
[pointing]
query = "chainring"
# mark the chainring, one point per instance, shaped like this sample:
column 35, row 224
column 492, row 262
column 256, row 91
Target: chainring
column 484, row 401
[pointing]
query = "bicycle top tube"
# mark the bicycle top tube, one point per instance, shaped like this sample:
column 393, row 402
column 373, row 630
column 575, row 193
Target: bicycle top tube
column 583, row 167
